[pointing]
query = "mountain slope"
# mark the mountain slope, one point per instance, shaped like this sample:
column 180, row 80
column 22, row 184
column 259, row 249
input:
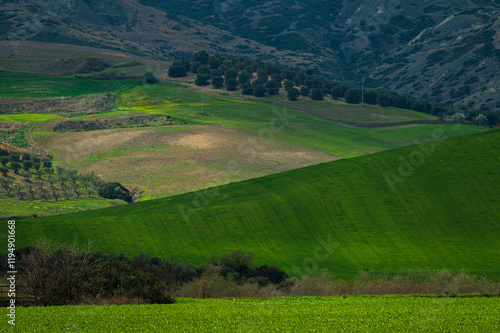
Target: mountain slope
column 445, row 50
column 370, row 212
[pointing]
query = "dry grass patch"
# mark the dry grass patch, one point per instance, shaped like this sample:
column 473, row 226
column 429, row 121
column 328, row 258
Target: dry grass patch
column 176, row 159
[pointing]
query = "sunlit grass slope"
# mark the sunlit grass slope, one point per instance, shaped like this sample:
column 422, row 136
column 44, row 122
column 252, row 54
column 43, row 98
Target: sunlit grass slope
column 285, row 124
column 344, row 215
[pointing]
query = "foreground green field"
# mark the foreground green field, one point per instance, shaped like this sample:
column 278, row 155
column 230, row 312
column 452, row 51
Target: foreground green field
column 292, row 314
column 346, row 215
column 10, row 207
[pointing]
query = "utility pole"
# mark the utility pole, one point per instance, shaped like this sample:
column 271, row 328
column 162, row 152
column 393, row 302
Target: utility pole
column 362, row 91
column 202, row 100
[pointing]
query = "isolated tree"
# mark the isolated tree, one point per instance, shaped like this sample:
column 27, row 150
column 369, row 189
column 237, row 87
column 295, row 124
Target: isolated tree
column 27, row 175
column 232, row 84
column 230, row 74
column 481, row 120
column 262, row 74
column 20, row 191
column 201, row 57
column 56, row 193
column 317, row 94
column 384, row 99
column 293, row 94
column 288, row 84
column 15, row 157
column 177, row 69
column 259, row 90
column 247, row 89
column 49, row 171
column 4, row 160
column 305, row 91
column 89, row 190
column 353, row 96
column 299, row 78
column 277, row 77
column 4, row 152
column 215, row 72
column 26, row 157
column 458, row 117
column 72, row 174
column 39, row 184
column 16, row 167
column 47, row 164
column 370, row 96
column 215, row 61
column 150, row 78
column 32, row 193
column 338, row 91
column 272, row 87
column 244, row 77
column 27, row 165
column 194, row 67
column 4, row 170
column 218, row 81
column 37, row 166
column 44, row 194
column 202, row 79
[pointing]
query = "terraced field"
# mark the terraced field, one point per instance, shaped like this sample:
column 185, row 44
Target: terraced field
column 371, row 212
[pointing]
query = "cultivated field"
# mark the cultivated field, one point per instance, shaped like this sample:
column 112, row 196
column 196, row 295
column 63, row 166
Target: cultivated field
column 281, row 123
column 164, row 161
column 344, row 215
column 291, row 314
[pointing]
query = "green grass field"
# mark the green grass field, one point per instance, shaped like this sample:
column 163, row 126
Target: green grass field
column 281, row 123
column 22, row 85
column 10, row 207
column 28, row 117
column 355, row 113
column 291, row 314
column 341, row 215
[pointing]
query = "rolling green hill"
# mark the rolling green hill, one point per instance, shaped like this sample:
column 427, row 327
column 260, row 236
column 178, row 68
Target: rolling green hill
column 370, row 212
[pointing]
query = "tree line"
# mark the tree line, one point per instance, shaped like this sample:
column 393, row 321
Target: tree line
column 259, row 78
column 62, row 274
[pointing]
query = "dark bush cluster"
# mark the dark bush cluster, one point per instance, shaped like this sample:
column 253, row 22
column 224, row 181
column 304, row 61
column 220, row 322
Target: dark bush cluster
column 114, row 191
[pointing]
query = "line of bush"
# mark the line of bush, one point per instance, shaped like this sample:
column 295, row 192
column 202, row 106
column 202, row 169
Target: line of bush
column 65, row 274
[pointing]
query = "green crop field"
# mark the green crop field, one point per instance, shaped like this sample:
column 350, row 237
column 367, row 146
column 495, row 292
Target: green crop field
column 10, row 207
column 282, row 123
column 291, row 314
column 355, row 113
column 22, row 85
column 344, row 215
column 28, row 117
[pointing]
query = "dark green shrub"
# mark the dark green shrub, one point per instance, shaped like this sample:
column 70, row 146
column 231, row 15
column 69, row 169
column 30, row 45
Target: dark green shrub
column 218, row 81
column 317, row 94
column 293, row 94
column 114, row 191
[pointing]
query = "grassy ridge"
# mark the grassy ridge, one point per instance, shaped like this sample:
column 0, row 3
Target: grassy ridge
column 341, row 215
column 298, row 314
